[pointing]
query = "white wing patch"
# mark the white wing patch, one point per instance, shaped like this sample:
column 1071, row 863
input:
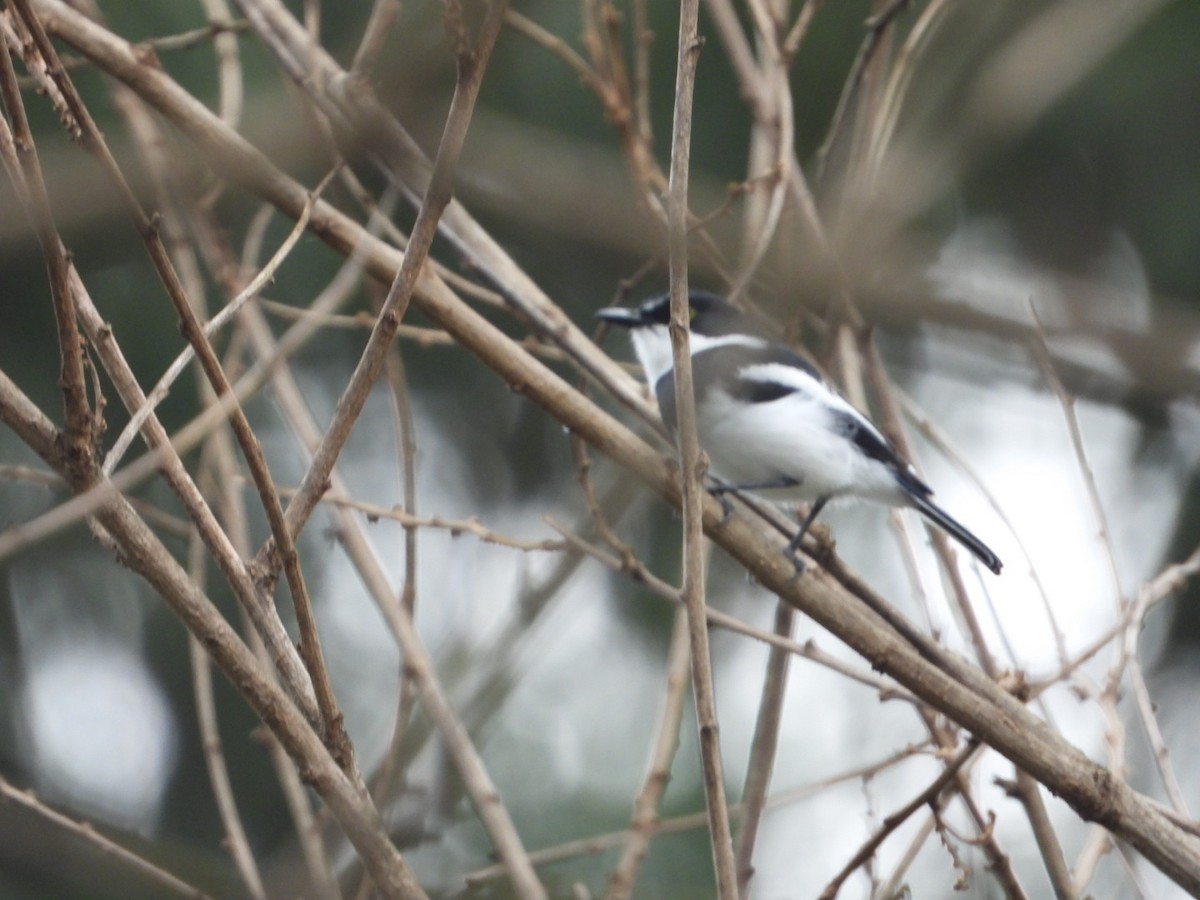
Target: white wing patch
column 804, row 383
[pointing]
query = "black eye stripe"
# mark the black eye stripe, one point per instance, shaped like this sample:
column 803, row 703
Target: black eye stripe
column 755, row 390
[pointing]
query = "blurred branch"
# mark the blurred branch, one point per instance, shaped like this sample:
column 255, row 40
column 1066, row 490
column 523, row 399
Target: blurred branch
column 658, row 769
column 85, row 832
column 141, row 551
column 991, row 709
column 975, row 701
column 214, row 754
column 411, row 522
column 763, row 748
column 692, row 821
column 1012, row 88
column 82, row 430
column 929, row 796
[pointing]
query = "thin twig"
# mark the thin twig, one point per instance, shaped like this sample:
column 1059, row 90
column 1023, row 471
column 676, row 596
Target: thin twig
column 1067, row 402
column 926, row 427
column 81, row 429
column 658, row 770
column 627, row 563
column 389, row 773
column 412, row 523
column 692, row 821
column 1151, row 593
column 162, row 387
column 929, row 796
column 214, row 753
column 142, row 552
column 693, row 464
column 93, row 140
column 763, row 748
column 383, row 17
column 977, row 703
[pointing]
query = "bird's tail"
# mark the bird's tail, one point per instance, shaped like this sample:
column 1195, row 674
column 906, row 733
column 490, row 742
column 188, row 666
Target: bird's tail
column 948, row 524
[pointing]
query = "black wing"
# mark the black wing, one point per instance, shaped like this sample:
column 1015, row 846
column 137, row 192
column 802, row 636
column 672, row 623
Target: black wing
column 876, row 447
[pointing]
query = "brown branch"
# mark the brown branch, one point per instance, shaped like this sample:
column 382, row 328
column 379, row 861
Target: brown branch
column 626, row 563
column 929, row 796
column 310, row 648
column 960, row 691
column 763, row 747
column 142, row 552
column 693, row 462
column 419, row 667
column 690, row 821
column 213, row 749
column 81, row 430
column 86, row 833
column 658, row 771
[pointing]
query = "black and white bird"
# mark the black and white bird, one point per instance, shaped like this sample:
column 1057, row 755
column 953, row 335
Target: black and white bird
column 769, row 423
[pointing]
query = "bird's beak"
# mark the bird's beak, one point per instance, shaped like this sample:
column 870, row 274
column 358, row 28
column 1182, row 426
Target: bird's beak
column 619, row 315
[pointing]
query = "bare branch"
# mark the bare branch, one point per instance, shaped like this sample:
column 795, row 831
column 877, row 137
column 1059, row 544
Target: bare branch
column 658, row 770
column 142, row 552
column 85, row 832
column 692, row 461
column 763, row 748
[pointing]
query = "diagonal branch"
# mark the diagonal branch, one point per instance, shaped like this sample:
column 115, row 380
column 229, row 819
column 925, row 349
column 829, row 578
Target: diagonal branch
column 142, row 552
column 960, row 691
column 81, row 430
column 93, row 140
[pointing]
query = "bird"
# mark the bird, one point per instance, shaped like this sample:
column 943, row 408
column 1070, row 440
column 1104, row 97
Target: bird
column 770, row 424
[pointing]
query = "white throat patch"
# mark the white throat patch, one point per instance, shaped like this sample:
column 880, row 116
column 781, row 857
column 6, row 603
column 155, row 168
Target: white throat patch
column 652, row 344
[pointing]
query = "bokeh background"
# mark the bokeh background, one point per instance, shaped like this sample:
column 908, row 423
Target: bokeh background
column 1042, row 192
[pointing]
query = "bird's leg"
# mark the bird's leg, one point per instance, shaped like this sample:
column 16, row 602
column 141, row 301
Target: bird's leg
column 794, row 543
column 784, row 481
column 720, row 488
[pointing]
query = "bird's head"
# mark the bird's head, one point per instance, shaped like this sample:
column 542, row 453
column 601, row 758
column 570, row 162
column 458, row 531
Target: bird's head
column 709, row 317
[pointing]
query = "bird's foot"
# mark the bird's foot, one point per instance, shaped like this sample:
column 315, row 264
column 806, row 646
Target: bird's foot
column 794, row 557
column 726, row 506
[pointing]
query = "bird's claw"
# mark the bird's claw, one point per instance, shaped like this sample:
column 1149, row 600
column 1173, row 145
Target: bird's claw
column 726, row 506
column 796, row 561
column 718, row 491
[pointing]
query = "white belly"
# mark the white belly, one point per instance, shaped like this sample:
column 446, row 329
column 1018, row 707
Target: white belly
column 792, row 437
